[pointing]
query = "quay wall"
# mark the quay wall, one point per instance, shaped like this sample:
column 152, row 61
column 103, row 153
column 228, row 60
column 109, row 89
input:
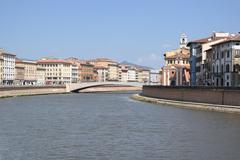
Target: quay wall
column 30, row 90
column 210, row 95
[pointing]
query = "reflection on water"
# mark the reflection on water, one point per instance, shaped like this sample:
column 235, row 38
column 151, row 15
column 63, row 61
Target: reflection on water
column 111, row 126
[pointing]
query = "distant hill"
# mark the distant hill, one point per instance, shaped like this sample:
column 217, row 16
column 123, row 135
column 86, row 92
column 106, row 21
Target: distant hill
column 135, row 65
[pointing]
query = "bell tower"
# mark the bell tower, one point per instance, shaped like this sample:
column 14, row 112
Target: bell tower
column 183, row 41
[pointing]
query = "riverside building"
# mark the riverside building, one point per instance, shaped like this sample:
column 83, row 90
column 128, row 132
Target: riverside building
column 198, row 56
column 30, row 71
column 143, row 75
column 1, row 71
column 8, row 67
column 58, row 71
column 41, row 75
column 102, row 73
column 176, row 69
column 226, row 62
column 19, row 75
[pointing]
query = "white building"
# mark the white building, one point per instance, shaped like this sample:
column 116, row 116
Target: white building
column 41, row 75
column 102, row 73
column 226, row 62
column 8, row 74
column 198, row 55
column 132, row 75
column 74, row 77
column 155, row 77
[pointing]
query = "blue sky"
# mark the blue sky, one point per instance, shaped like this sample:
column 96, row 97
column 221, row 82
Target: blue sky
column 139, row 31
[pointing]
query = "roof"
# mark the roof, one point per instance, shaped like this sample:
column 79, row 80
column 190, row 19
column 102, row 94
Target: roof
column 178, row 53
column 100, row 67
column 235, row 38
column 25, row 61
column 53, row 61
column 5, row 53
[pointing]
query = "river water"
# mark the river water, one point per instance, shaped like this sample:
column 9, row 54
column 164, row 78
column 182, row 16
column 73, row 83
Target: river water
column 112, row 127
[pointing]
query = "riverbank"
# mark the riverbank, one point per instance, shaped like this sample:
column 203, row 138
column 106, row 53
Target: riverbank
column 6, row 92
column 189, row 105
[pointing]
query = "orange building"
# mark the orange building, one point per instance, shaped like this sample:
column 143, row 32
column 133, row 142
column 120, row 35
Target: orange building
column 176, row 71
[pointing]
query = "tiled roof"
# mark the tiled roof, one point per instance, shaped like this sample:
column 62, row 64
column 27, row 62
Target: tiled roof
column 235, row 38
column 53, row 61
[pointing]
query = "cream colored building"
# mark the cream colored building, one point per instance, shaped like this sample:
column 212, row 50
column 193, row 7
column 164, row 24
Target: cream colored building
column 30, row 71
column 19, row 75
column 123, row 72
column 57, row 71
column 143, row 75
column 1, row 71
column 41, row 75
column 102, row 73
column 113, row 72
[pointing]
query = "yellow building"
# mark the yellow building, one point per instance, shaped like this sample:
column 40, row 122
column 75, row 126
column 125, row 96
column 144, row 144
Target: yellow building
column 1, row 71
column 57, row 71
column 19, row 75
column 30, row 71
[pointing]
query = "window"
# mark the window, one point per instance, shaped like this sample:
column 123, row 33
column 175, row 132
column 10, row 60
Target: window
column 222, row 54
column 227, row 68
column 222, row 68
column 228, row 54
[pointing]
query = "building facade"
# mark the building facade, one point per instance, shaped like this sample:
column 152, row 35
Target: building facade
column 1, row 71
column 143, row 75
column 113, row 73
column 155, row 77
column 198, row 56
column 177, row 67
column 226, row 62
column 87, row 72
column 19, row 75
column 57, row 71
column 102, row 74
column 8, row 73
column 30, row 71
column 41, row 75
column 123, row 72
column 74, row 77
column 132, row 75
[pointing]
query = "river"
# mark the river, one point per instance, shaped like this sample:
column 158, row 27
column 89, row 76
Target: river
column 107, row 126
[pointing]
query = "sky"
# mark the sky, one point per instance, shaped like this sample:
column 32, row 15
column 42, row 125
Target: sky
column 138, row 31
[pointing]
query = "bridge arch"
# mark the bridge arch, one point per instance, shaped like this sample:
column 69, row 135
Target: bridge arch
column 75, row 87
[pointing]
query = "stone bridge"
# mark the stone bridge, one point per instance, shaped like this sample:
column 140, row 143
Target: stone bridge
column 74, row 87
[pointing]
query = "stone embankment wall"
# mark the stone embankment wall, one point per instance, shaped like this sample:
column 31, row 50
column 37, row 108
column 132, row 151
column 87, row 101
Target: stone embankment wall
column 211, row 95
column 30, row 90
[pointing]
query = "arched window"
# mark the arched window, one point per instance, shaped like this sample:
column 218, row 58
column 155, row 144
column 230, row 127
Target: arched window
column 227, row 68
